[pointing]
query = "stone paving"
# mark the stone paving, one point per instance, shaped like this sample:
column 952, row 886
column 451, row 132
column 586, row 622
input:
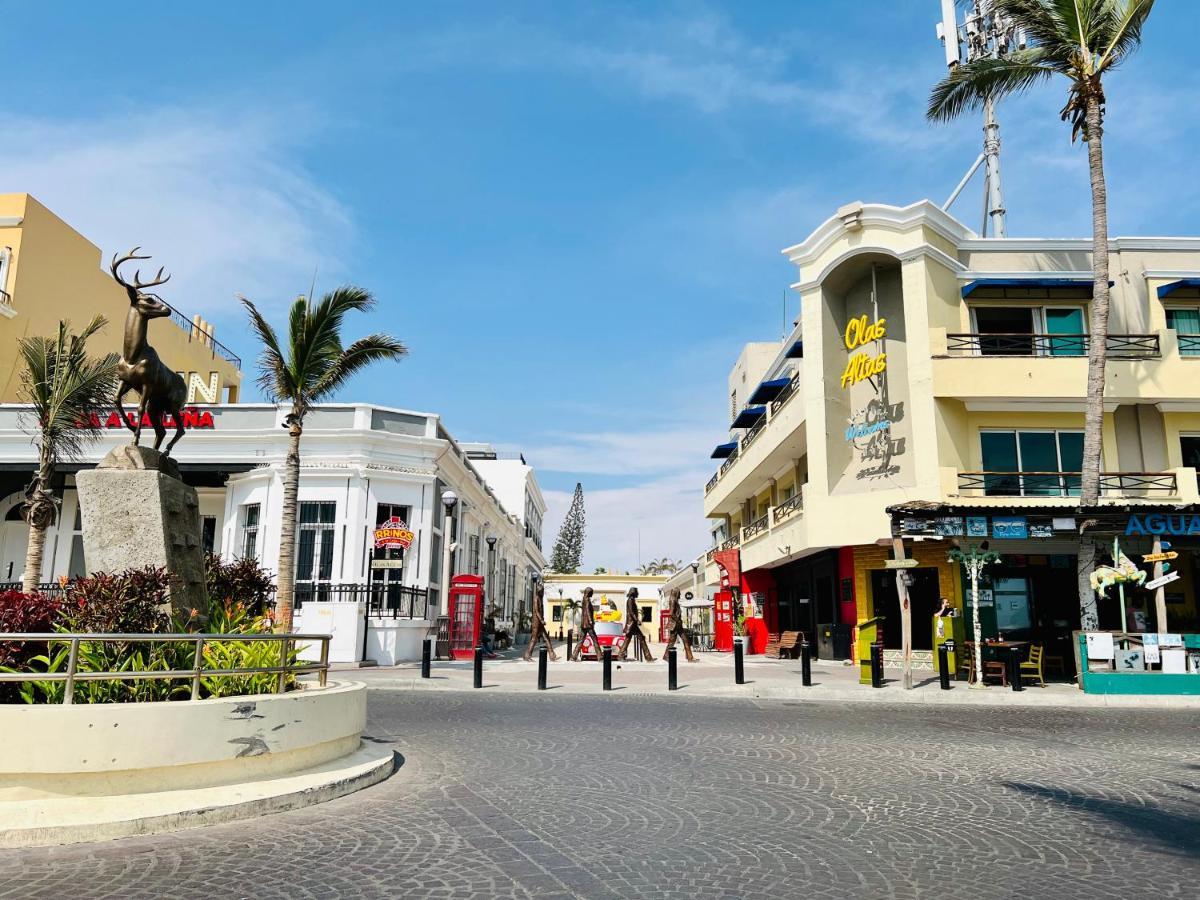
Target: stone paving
column 559, row 795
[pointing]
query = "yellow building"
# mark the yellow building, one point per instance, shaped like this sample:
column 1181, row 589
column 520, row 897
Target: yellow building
column 49, row 272
column 943, row 375
column 608, row 598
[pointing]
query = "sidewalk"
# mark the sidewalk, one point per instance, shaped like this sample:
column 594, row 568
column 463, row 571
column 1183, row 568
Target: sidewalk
column 712, row 676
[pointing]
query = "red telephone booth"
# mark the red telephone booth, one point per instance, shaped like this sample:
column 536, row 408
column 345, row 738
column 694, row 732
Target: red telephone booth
column 664, row 625
column 723, row 620
column 466, row 615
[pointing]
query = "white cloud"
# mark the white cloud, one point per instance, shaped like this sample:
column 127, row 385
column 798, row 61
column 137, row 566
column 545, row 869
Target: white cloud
column 213, row 197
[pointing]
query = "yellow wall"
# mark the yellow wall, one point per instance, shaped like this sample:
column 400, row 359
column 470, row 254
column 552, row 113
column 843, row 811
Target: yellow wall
column 929, row 554
column 56, row 273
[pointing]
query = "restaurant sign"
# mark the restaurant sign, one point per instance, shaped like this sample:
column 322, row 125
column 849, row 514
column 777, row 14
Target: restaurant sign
column 1158, row 523
column 393, row 534
column 192, row 418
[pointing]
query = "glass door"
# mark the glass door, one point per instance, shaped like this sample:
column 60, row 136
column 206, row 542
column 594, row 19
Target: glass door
column 1068, row 322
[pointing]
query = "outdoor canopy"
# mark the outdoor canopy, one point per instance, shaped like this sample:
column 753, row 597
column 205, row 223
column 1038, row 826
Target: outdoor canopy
column 971, row 286
column 769, row 390
column 749, row 416
column 724, row 451
column 1168, row 289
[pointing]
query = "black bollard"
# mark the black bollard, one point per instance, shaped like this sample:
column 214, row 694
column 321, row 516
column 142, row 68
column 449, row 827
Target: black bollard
column 805, row 664
column 739, row 666
column 1014, row 668
column 426, row 646
column 570, row 634
column 478, row 667
column 944, row 664
column 672, row 671
column 541, row 668
column 607, row 657
column 877, row 665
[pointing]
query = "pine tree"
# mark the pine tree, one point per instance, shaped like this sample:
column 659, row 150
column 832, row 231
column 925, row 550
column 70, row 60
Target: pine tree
column 567, row 555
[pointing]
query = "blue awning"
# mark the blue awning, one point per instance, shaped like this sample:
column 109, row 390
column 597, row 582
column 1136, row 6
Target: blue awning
column 749, row 416
column 971, row 286
column 1168, row 289
column 796, row 351
column 724, row 451
column 769, row 390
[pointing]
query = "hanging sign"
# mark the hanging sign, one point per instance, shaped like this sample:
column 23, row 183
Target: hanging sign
column 1009, row 527
column 1160, row 557
column 387, row 564
column 1159, row 582
column 393, row 534
column 900, row 563
column 977, row 526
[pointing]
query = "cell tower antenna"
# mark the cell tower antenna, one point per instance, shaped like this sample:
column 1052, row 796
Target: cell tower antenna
column 984, row 33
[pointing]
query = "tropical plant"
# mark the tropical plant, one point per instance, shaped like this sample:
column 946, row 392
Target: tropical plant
column 567, row 555
column 310, row 367
column 63, row 385
column 664, row 566
column 129, row 602
column 236, row 617
column 241, row 580
column 1082, row 40
column 571, row 609
column 22, row 613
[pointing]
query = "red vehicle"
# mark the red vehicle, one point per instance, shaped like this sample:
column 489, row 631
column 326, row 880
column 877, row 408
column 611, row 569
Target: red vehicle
column 608, row 632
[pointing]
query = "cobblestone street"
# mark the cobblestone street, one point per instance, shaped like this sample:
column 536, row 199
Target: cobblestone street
column 553, row 795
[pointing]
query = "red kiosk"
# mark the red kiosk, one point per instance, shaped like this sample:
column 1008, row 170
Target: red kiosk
column 729, row 563
column 466, row 615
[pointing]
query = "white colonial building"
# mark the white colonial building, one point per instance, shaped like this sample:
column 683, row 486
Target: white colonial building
column 362, row 467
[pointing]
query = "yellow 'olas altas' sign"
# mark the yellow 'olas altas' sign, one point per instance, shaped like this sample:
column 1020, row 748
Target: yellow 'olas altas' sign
column 863, row 365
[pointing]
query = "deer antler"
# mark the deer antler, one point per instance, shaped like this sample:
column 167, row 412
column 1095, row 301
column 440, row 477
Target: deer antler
column 138, row 284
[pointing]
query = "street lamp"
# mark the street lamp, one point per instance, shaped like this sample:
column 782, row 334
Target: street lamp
column 973, row 560
column 695, row 578
column 491, row 582
column 449, row 501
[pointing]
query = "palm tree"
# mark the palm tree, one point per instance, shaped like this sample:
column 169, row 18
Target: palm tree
column 570, row 611
column 308, row 369
column 1081, row 40
column 64, row 386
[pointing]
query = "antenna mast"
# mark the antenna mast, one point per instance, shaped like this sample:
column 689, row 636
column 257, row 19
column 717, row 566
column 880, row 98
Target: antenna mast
column 983, row 34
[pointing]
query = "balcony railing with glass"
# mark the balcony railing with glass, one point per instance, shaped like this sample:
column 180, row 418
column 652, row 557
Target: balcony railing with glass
column 1120, row 346
column 1065, row 484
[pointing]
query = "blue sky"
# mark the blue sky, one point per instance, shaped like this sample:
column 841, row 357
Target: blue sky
column 571, row 212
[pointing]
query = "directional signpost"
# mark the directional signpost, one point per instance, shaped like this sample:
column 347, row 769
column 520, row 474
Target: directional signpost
column 900, row 563
column 1160, row 557
column 1160, row 582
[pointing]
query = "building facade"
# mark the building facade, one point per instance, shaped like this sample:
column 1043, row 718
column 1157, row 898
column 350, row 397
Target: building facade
column 49, row 272
column 363, row 468
column 930, row 368
column 608, row 596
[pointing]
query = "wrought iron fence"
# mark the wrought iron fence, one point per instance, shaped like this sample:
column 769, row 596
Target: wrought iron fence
column 397, row 601
column 785, row 394
column 755, row 528
column 1189, row 345
column 196, row 333
column 1119, row 346
column 754, row 432
column 788, row 507
column 195, row 674
column 712, row 482
column 53, row 588
column 1064, row 484
column 732, row 542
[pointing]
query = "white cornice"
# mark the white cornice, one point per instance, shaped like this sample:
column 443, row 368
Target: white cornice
column 975, row 275
column 1028, row 245
column 1171, row 274
column 1013, row 405
column 893, row 218
column 10, row 221
column 921, row 250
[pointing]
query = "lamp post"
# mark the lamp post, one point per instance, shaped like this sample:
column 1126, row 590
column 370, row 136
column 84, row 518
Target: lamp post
column 449, row 501
column 491, row 568
column 973, row 560
column 696, row 578
column 534, row 578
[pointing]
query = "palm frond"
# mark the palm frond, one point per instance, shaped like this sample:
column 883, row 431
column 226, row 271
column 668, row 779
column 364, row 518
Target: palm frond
column 1126, row 33
column 969, row 86
column 360, row 354
column 274, row 376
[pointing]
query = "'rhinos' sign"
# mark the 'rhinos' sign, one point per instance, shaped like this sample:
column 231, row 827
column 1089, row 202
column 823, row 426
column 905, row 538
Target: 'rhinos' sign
column 1161, row 523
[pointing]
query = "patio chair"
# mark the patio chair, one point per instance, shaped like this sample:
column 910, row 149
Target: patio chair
column 1032, row 667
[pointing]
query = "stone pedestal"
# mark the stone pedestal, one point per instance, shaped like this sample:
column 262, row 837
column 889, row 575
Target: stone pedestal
column 138, row 512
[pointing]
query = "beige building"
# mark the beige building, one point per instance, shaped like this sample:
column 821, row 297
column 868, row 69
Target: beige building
column 50, row 272
column 608, row 599
column 932, row 369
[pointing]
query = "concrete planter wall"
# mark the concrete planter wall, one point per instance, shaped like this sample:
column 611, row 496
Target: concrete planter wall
column 390, row 641
column 121, row 748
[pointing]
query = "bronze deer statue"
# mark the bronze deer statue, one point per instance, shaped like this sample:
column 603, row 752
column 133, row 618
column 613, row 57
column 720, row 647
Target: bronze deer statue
column 161, row 390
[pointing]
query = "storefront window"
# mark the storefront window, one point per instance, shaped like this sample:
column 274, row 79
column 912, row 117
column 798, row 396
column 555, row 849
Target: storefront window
column 314, row 551
column 387, row 563
column 1011, row 597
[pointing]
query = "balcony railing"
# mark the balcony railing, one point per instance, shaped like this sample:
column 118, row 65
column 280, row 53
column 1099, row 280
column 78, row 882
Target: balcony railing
column 1120, row 346
column 755, row 528
column 788, row 508
column 734, row 541
column 712, row 482
column 1064, row 484
column 754, row 432
column 396, row 601
column 785, row 394
column 1189, row 344
column 196, row 333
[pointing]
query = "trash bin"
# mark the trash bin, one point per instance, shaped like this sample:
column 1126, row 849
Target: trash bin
column 833, row 641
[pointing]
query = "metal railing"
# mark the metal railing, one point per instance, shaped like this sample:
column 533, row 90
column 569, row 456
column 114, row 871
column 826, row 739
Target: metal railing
column 399, row 601
column 788, row 507
column 712, row 482
column 785, row 394
column 195, row 333
column 1120, row 346
column 1189, row 344
column 1064, row 484
column 755, row 528
column 754, row 432
column 732, row 542
column 52, row 588
column 72, row 674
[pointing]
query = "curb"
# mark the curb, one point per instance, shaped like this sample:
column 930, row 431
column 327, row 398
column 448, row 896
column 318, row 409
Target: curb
column 208, row 806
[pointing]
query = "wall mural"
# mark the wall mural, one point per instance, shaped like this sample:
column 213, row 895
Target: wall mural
column 869, row 431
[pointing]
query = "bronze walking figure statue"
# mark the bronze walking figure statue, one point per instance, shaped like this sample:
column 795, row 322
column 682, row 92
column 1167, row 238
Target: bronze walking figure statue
column 587, row 625
column 538, row 633
column 633, row 628
column 161, row 390
column 675, row 627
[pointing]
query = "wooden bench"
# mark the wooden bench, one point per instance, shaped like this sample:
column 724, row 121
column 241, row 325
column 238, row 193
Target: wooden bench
column 789, row 642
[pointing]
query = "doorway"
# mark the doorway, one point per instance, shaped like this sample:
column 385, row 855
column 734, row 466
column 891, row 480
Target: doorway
column 924, row 598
